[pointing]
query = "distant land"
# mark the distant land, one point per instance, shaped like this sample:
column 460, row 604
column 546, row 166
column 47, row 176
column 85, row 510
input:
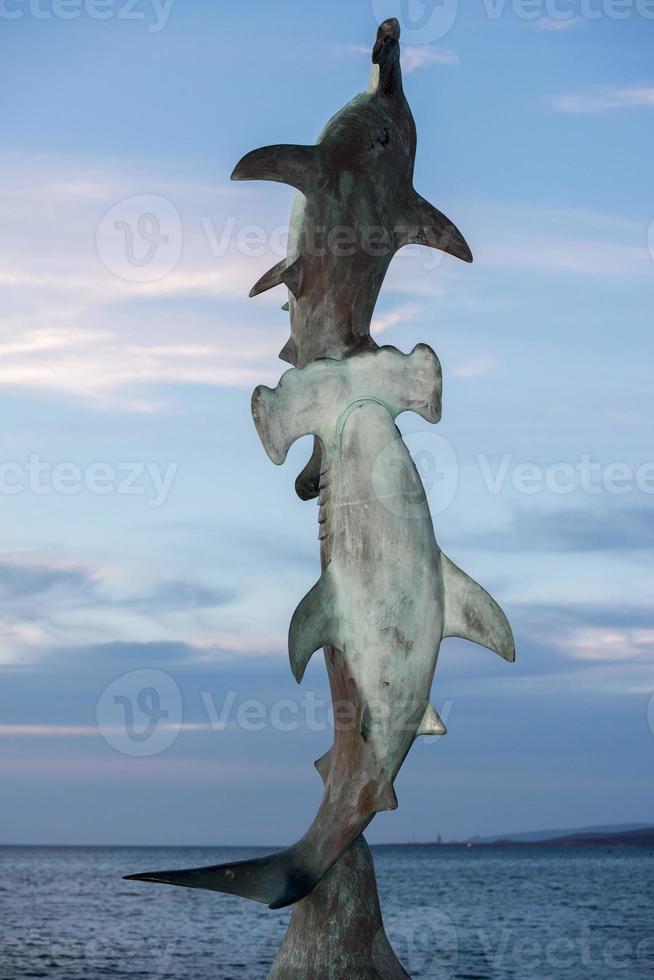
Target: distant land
column 612, row 835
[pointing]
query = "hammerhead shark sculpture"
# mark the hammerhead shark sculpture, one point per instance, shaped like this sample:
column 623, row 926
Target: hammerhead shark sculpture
column 386, row 598
column 356, row 207
column 387, row 595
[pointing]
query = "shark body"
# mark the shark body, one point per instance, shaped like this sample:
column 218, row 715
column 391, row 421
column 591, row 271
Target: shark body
column 386, row 598
column 356, row 207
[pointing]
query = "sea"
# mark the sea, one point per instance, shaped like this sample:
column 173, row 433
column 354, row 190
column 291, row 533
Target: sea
column 473, row 914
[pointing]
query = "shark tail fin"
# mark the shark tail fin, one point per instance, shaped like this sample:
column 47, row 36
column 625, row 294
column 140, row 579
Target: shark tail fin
column 287, row 163
column 422, row 224
column 283, row 272
column 276, row 880
column 471, row 613
column 313, row 625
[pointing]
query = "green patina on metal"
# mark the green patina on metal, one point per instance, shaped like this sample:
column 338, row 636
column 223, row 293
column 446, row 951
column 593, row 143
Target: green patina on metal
column 387, row 595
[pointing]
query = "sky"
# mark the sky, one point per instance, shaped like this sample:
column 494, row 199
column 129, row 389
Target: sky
column 152, row 556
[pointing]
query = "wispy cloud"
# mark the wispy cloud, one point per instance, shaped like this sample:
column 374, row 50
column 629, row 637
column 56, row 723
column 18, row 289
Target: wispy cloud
column 601, row 99
column 474, row 368
column 394, row 316
column 415, row 56
column 73, row 324
column 558, row 24
column 421, row 56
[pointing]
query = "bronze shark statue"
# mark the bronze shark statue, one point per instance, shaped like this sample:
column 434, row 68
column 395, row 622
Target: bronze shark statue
column 356, row 207
column 386, row 598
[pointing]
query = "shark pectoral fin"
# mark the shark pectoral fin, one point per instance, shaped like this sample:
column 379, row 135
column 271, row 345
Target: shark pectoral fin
column 281, row 274
column 471, row 613
column 313, row 625
column 307, row 485
column 432, row 723
column 423, row 224
column 323, row 765
column 285, row 163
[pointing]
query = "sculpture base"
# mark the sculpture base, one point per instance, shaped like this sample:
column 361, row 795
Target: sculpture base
column 337, row 933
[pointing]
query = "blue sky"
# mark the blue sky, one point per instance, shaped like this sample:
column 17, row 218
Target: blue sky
column 144, row 528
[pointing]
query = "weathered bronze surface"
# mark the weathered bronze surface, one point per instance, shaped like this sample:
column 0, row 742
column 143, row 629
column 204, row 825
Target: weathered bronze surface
column 356, row 206
column 387, row 595
column 337, row 932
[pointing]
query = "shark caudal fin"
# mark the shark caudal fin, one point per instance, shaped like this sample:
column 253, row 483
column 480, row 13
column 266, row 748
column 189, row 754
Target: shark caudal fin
column 422, row 224
column 472, row 614
column 297, row 166
column 277, row 880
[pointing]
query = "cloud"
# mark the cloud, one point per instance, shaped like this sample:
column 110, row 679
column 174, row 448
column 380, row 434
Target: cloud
column 415, row 56
column 601, row 99
column 565, row 242
column 77, row 327
column 558, row 24
column 475, row 368
column 393, row 317
column 421, row 56
column 575, row 529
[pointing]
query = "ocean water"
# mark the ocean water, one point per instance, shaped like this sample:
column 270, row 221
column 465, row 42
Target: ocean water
column 498, row 913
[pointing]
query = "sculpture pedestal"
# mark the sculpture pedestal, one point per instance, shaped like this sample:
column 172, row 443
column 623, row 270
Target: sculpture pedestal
column 337, row 933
